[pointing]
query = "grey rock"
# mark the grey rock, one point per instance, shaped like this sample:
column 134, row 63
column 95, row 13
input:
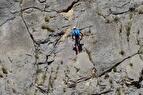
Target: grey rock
column 36, row 50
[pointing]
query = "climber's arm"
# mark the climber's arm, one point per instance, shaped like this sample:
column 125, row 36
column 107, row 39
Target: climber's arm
column 73, row 37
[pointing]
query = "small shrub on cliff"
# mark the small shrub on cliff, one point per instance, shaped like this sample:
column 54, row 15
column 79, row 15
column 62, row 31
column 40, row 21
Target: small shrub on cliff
column 4, row 70
column 45, row 26
column 140, row 11
column 40, row 77
column 116, row 19
column 47, row 18
column 131, row 64
column 114, row 70
column 118, row 91
column 122, row 52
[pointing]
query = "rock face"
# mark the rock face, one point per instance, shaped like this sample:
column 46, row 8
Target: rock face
column 36, row 48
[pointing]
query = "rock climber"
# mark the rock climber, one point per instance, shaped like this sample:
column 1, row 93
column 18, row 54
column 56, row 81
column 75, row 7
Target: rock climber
column 77, row 36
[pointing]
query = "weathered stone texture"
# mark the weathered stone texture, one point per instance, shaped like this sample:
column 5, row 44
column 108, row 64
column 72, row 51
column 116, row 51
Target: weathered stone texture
column 36, row 49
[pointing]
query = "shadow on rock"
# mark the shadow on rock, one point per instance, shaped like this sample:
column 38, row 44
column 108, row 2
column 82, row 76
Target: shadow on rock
column 79, row 47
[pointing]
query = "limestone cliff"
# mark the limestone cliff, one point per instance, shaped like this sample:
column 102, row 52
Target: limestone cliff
column 36, row 49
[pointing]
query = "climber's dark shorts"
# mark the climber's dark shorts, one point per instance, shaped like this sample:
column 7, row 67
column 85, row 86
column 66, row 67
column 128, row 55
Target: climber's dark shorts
column 77, row 41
